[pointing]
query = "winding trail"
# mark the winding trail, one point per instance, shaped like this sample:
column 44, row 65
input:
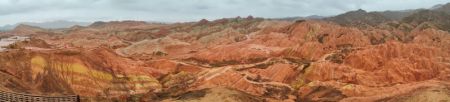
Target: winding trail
column 211, row 73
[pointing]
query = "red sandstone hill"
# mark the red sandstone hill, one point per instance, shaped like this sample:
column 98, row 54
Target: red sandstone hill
column 371, row 58
column 268, row 60
column 27, row 30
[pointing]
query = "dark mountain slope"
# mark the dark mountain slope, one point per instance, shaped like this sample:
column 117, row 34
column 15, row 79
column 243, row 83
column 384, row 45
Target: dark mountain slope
column 436, row 18
column 359, row 18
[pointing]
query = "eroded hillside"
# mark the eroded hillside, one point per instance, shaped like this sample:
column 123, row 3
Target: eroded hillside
column 235, row 59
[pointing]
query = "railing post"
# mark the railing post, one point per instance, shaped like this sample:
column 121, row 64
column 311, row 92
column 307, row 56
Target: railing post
column 78, row 98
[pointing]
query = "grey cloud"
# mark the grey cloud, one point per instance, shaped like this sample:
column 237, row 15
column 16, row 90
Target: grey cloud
column 13, row 11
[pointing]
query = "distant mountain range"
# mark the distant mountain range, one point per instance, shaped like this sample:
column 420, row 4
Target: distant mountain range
column 359, row 17
column 437, row 15
column 370, row 18
column 443, row 8
column 299, row 18
column 47, row 25
column 350, row 18
column 398, row 15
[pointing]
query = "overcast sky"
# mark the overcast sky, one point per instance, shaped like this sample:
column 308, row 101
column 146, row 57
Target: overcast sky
column 14, row 11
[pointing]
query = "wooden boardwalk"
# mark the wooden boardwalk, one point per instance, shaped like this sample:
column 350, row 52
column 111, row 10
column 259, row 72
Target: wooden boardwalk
column 20, row 97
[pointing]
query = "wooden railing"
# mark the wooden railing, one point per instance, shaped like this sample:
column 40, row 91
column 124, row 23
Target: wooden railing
column 20, row 97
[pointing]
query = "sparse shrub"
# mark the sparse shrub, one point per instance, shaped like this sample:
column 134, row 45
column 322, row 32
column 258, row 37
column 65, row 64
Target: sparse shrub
column 160, row 53
column 13, row 46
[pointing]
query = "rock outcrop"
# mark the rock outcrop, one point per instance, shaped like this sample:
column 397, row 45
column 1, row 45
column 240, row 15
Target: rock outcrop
column 363, row 56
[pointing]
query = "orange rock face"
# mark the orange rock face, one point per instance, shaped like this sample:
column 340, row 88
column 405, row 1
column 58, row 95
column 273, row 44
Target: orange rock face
column 266, row 59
